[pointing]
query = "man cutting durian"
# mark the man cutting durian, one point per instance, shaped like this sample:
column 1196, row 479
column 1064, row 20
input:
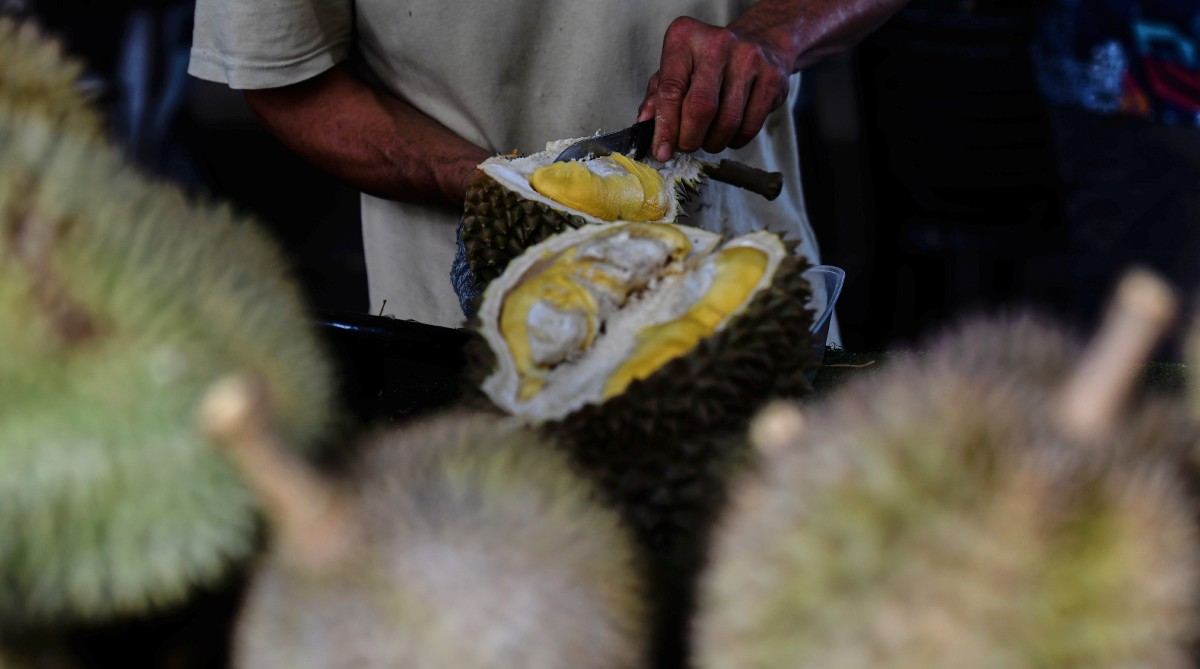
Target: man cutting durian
column 402, row 99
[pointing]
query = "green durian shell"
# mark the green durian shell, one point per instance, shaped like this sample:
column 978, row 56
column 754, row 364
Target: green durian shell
column 499, row 224
column 120, row 301
column 931, row 516
column 38, row 78
column 478, row 547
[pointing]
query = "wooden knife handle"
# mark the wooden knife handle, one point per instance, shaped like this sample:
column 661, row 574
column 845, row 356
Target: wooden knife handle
column 766, row 184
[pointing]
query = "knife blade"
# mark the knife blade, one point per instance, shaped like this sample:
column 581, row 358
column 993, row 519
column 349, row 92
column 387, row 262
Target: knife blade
column 635, row 138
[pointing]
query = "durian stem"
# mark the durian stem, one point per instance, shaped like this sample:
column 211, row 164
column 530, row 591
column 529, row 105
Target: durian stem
column 766, row 184
column 1142, row 310
column 311, row 521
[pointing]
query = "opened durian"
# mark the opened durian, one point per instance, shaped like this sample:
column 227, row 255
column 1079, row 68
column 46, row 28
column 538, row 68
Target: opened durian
column 583, row 316
column 516, row 202
column 643, row 348
column 637, row 343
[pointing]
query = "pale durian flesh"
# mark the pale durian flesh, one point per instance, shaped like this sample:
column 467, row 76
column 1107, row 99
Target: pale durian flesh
column 610, row 188
column 576, row 319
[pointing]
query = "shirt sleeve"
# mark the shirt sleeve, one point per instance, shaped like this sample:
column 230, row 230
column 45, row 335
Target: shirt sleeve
column 248, row 44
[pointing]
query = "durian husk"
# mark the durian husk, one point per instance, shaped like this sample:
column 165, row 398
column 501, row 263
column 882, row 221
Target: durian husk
column 120, row 301
column 500, row 222
column 933, row 515
column 476, row 546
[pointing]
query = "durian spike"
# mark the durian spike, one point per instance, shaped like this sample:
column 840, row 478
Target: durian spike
column 311, row 520
column 776, row 427
column 1143, row 308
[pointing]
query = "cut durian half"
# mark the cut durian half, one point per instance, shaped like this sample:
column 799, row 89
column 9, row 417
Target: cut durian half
column 578, row 318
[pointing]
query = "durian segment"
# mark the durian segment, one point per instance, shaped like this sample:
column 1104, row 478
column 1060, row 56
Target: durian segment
column 738, row 271
column 555, row 313
column 576, row 319
column 517, row 175
column 632, row 192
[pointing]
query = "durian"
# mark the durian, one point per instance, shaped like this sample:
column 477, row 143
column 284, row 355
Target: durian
column 120, row 301
column 516, row 202
column 38, row 78
column 629, row 339
column 462, row 540
column 642, row 349
column 931, row 515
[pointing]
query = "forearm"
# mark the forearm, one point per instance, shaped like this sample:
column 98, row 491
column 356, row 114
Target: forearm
column 369, row 139
column 805, row 31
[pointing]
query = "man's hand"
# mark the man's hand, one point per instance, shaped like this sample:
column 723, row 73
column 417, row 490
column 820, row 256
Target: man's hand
column 716, row 86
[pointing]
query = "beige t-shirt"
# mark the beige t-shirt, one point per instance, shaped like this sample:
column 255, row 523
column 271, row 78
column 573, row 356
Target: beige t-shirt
column 503, row 75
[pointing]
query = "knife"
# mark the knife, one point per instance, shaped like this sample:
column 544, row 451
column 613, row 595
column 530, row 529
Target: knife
column 637, row 138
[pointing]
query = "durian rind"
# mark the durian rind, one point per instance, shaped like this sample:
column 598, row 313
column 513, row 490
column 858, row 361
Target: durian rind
column 37, row 78
column 120, row 301
column 503, row 215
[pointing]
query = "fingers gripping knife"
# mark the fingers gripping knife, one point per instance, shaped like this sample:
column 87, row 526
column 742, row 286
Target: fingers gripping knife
column 637, row 138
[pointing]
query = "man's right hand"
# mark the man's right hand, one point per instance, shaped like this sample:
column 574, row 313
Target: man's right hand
column 714, row 88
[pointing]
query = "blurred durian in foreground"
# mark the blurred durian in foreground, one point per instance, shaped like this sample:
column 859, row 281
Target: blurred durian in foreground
column 459, row 541
column 120, row 302
column 940, row 514
column 37, row 78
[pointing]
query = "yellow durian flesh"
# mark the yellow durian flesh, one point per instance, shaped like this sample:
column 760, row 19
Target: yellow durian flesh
column 570, row 291
column 572, row 326
column 739, row 271
column 634, row 191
